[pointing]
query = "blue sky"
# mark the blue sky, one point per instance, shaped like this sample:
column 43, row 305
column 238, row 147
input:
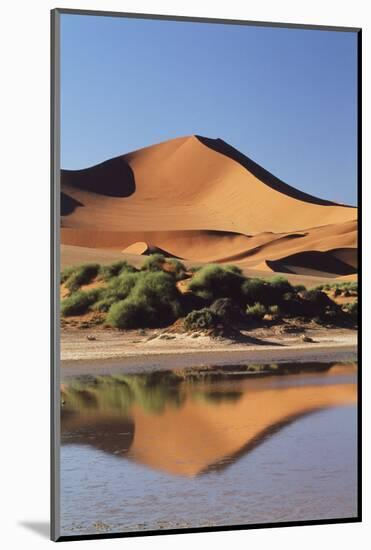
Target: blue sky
column 284, row 97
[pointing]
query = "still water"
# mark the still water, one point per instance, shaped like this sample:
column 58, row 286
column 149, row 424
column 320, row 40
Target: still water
column 173, row 450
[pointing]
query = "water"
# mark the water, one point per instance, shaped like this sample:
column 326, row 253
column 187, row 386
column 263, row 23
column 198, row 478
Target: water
column 161, row 451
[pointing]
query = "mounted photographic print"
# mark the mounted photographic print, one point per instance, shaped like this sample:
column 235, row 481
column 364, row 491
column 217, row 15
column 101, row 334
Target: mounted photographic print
column 205, row 193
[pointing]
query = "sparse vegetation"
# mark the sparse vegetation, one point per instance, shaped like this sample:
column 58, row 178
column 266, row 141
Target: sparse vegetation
column 154, row 262
column 215, row 281
column 82, row 275
column 201, row 319
column 214, row 295
column 107, row 272
column 340, row 288
column 67, row 272
column 228, row 311
column 153, row 300
column 79, row 302
column 257, row 311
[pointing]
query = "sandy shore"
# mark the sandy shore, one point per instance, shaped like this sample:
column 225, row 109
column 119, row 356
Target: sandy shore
column 113, row 351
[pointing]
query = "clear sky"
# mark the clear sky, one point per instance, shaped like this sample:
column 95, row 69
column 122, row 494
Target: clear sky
column 284, row 97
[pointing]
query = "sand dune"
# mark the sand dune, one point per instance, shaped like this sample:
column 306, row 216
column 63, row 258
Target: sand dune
column 202, row 200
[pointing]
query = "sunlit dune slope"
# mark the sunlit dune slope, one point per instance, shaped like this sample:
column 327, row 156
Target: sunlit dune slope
column 201, row 200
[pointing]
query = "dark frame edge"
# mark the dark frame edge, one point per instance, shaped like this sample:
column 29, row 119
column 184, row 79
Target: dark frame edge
column 54, row 283
column 197, row 19
column 360, row 274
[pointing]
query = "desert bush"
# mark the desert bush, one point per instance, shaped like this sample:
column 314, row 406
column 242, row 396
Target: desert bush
column 318, row 299
column 191, row 302
column 104, row 303
column 160, row 290
column 350, row 286
column 118, row 289
column 228, row 311
column 154, row 262
column 234, row 269
column 107, row 272
column 201, row 319
column 67, row 272
column 122, row 285
column 254, row 290
column 214, row 281
column 79, row 302
column 264, row 292
column 257, row 311
column 152, row 300
column 131, row 313
column 82, row 275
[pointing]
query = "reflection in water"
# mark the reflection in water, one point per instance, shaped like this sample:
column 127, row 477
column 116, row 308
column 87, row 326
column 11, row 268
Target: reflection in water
column 214, row 447
column 188, row 424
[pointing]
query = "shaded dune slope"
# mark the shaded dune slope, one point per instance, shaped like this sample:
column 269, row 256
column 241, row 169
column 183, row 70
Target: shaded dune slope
column 200, row 200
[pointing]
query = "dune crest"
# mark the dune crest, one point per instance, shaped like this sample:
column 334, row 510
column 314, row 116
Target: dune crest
column 202, row 200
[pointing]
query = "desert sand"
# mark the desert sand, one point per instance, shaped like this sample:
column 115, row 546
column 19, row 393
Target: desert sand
column 201, row 200
column 132, row 351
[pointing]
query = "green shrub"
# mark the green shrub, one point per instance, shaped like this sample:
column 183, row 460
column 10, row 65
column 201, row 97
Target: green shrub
column 159, row 289
column 257, row 311
column 154, row 262
column 267, row 293
column 201, row 319
column 122, row 285
column 194, row 268
column 318, row 298
column 104, row 304
column 279, row 286
column 107, row 272
column 79, row 302
column 214, row 281
column 228, row 311
column 130, row 313
column 152, row 299
column 67, row 272
column 234, row 269
column 254, row 290
column 82, row 275
column 350, row 286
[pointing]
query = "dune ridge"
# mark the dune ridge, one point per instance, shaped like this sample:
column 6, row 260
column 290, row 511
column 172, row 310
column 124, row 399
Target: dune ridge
column 200, row 199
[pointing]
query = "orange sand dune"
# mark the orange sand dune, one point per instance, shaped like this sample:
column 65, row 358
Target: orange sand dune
column 200, row 200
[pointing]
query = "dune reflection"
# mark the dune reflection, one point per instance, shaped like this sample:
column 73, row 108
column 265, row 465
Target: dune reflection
column 187, row 428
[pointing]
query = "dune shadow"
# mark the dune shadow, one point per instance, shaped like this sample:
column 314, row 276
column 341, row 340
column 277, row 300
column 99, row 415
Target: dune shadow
column 112, row 178
column 42, row 528
column 68, row 204
column 323, row 262
column 220, row 146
